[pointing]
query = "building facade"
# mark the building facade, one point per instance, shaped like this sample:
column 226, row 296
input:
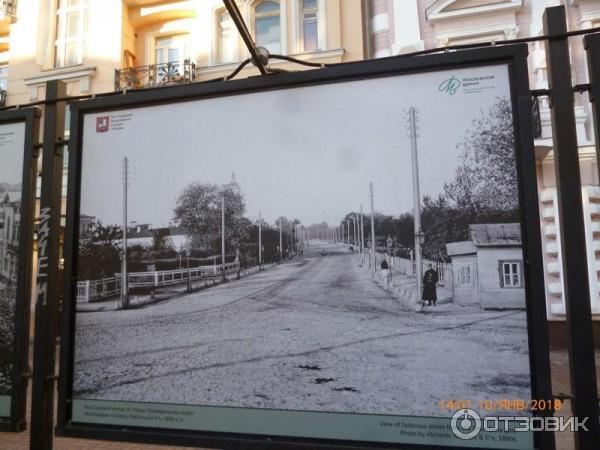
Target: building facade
column 398, row 26
column 104, row 45
column 10, row 221
column 488, row 268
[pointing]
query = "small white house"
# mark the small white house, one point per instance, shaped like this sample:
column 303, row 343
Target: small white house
column 488, row 268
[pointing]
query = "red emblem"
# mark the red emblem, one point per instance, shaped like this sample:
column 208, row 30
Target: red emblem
column 102, row 124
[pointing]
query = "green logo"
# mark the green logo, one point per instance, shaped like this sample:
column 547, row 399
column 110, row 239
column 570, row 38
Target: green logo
column 449, row 86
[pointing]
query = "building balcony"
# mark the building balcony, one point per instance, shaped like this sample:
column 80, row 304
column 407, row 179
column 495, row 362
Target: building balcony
column 8, row 10
column 166, row 74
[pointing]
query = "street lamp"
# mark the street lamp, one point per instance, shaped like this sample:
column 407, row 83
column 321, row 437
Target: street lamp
column 420, row 237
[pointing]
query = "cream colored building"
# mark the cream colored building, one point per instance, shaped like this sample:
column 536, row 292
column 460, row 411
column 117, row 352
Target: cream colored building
column 102, row 45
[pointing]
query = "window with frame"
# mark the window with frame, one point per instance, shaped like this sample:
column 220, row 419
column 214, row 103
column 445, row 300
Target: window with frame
column 267, row 25
column 465, row 275
column 4, row 77
column 309, row 15
column 511, row 274
column 226, row 39
column 71, row 27
column 170, row 53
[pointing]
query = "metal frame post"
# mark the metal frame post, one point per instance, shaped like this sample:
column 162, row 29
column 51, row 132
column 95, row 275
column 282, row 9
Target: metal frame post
column 47, row 289
column 573, row 242
column 592, row 47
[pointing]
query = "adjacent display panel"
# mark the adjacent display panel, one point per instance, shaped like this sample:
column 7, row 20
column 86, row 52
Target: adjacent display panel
column 17, row 186
column 256, row 304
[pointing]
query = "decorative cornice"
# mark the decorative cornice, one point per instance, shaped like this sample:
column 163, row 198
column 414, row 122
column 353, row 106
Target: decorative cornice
column 311, row 57
column 81, row 73
column 436, row 13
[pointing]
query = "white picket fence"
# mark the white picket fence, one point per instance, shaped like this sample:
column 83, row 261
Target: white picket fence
column 108, row 287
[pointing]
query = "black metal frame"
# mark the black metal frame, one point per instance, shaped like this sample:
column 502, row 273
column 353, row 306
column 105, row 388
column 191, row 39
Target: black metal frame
column 20, row 380
column 48, row 291
column 573, row 244
column 515, row 57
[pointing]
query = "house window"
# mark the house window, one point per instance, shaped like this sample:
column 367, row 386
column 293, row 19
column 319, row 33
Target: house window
column 267, row 26
column 4, row 77
column 71, row 25
column 310, row 25
column 511, row 274
column 170, row 53
column 171, row 49
column 227, row 39
column 465, row 276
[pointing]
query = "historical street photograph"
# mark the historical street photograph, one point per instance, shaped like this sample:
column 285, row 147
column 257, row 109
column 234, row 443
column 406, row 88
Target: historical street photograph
column 11, row 165
column 352, row 247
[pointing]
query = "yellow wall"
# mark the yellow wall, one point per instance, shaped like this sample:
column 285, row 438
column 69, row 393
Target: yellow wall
column 114, row 28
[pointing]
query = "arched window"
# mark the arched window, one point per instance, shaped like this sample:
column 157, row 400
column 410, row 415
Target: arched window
column 267, row 25
column 309, row 26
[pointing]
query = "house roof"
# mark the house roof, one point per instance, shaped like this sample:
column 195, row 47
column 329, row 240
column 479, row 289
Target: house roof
column 10, row 197
column 495, row 234
column 460, row 248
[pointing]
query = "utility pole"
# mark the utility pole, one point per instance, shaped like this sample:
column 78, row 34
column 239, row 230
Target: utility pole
column 362, row 231
column 259, row 241
column 355, row 229
column 223, row 236
column 348, row 229
column 372, row 228
column 280, row 242
column 412, row 117
column 124, row 281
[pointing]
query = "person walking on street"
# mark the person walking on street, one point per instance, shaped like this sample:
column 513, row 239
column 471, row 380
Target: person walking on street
column 430, row 279
column 385, row 272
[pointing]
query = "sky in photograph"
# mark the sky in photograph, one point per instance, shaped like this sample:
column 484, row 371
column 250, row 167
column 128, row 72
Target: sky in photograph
column 306, row 153
column 11, row 153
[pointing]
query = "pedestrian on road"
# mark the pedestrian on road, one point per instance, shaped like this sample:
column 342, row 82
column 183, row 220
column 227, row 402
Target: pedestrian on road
column 385, row 272
column 430, row 279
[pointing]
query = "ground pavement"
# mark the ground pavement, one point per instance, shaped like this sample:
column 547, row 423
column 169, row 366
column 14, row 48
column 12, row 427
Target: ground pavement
column 315, row 333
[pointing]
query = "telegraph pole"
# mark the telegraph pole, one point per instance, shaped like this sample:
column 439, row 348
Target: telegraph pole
column 124, row 283
column 348, row 230
column 362, row 231
column 280, row 242
column 412, row 116
column 372, row 227
column 223, row 236
column 259, row 241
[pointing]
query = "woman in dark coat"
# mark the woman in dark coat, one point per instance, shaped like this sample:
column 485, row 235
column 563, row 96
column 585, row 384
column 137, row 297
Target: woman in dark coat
column 430, row 279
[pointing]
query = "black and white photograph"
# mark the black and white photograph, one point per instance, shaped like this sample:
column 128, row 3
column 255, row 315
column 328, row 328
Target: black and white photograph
column 353, row 247
column 11, row 164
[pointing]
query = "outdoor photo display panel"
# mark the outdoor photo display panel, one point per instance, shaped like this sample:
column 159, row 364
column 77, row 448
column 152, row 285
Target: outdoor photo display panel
column 255, row 302
column 16, row 177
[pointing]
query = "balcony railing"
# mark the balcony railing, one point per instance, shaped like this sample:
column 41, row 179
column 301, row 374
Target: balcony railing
column 8, row 8
column 155, row 75
column 2, row 98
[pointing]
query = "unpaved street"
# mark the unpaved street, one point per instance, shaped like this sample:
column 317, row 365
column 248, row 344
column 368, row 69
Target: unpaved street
column 314, row 333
